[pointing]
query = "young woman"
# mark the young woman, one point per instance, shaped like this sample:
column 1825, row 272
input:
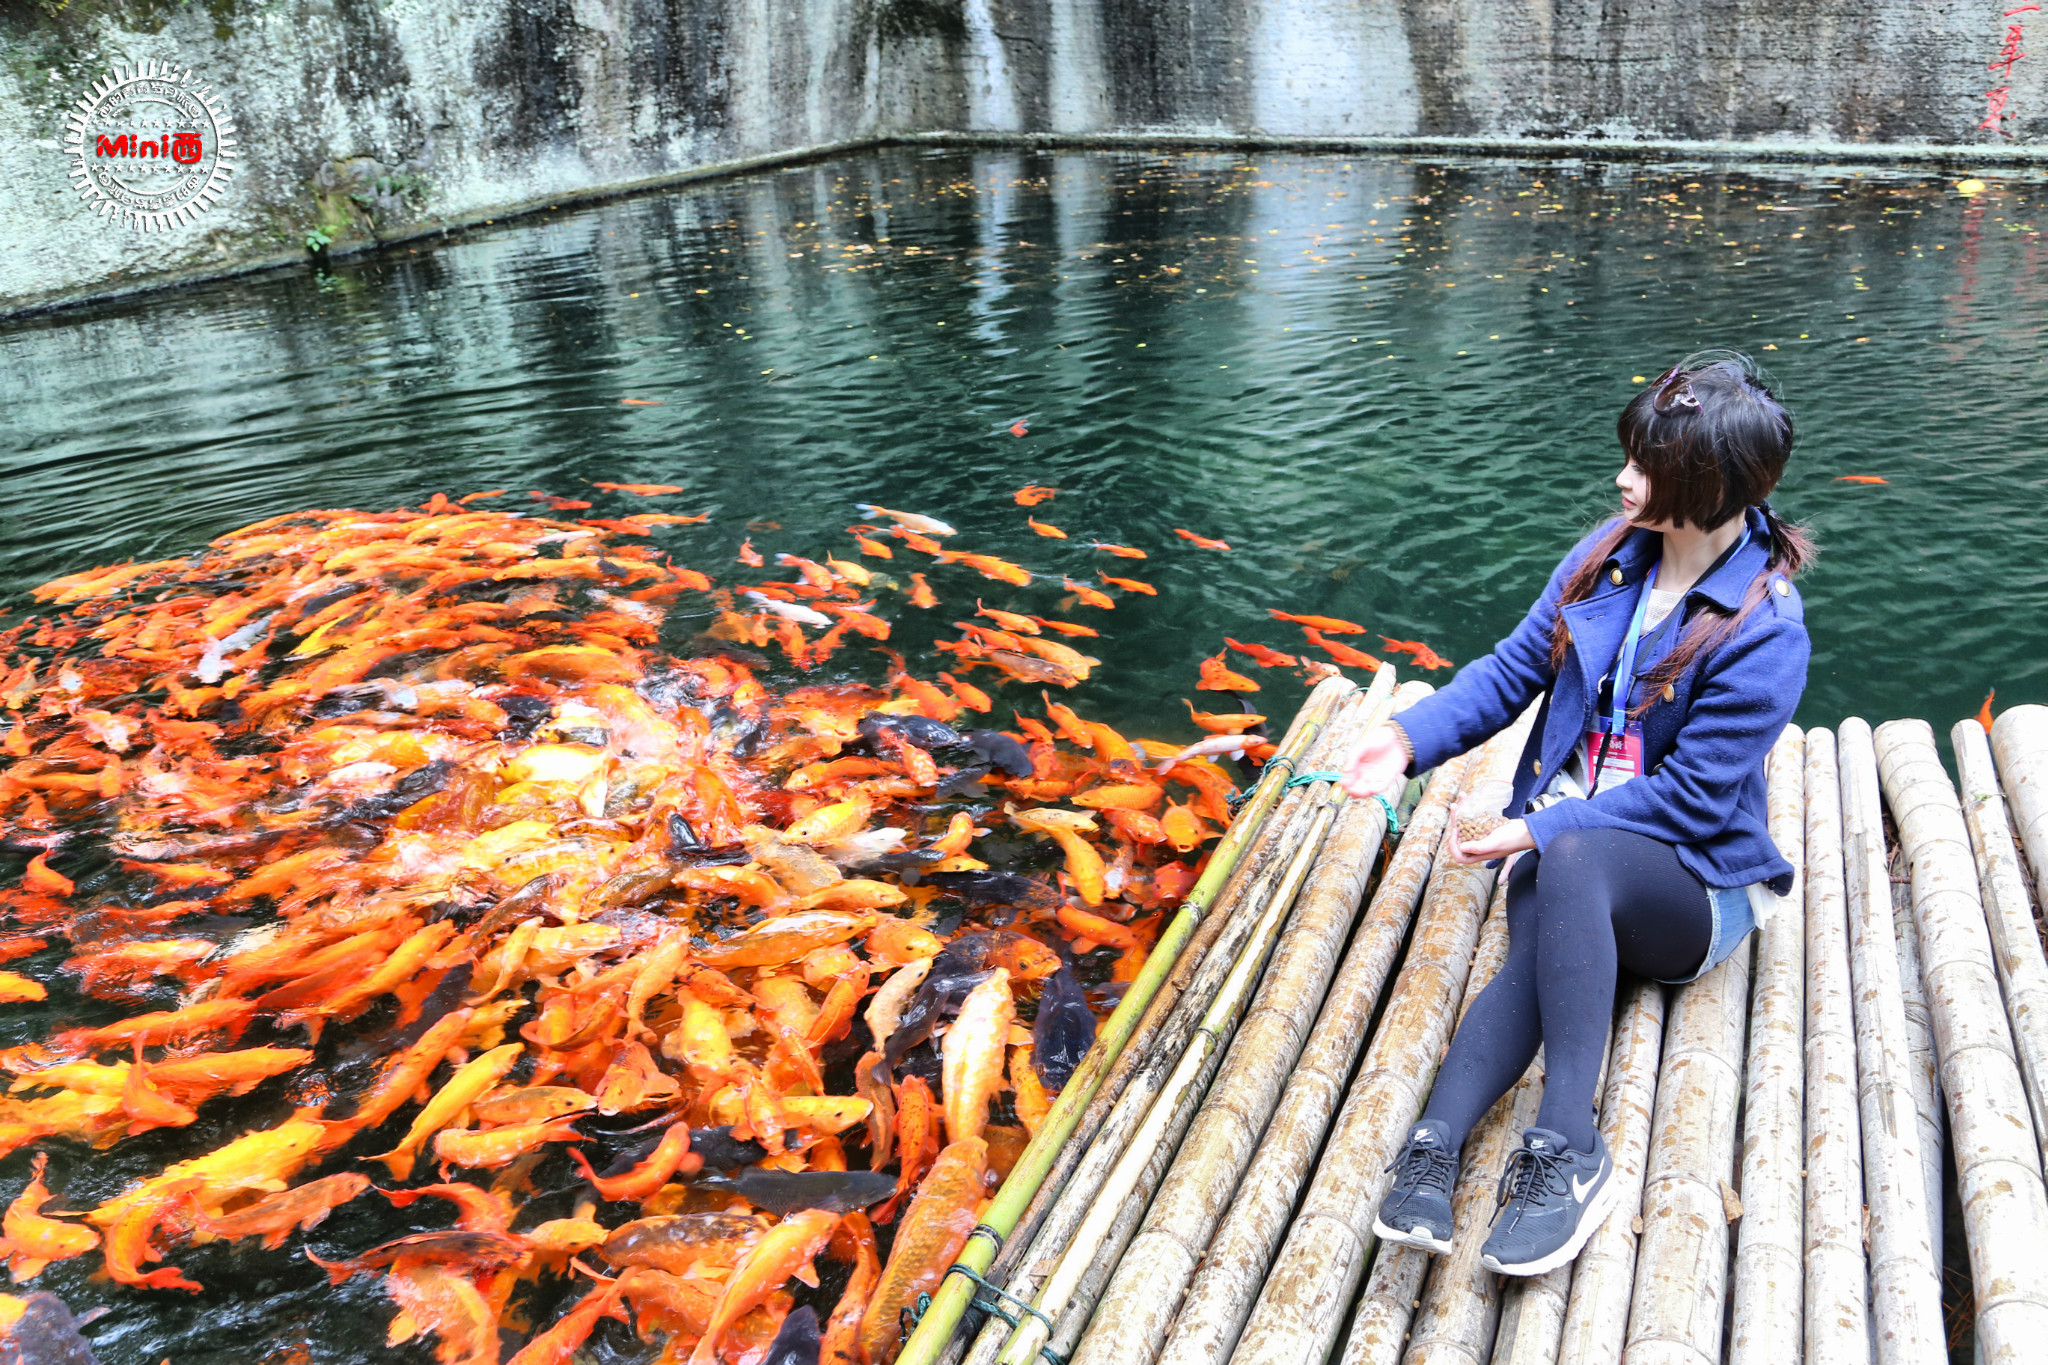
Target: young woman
column 1669, row 650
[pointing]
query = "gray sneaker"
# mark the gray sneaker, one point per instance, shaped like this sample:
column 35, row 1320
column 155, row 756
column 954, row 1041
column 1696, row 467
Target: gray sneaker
column 1417, row 1209
column 1552, row 1199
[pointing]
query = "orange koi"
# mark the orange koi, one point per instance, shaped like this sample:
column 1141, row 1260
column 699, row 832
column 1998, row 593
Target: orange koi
column 1182, row 827
column 1216, row 677
column 39, row 876
column 924, row 545
column 968, row 695
column 1050, row 532
column 1066, row 627
column 31, row 1241
column 1032, row 494
column 1328, row 624
column 1223, row 722
column 633, row 403
column 1261, row 655
column 638, row 490
column 786, row 1251
column 748, row 555
column 277, row 1216
column 921, row 594
column 1128, row 584
column 1126, row 796
column 874, row 548
column 1984, row 712
column 855, row 1241
column 1093, row 597
column 1424, row 656
column 972, row 1055
column 934, row 1229
column 462, row 1089
column 671, row 1155
column 1008, row 620
column 1341, row 652
column 487, row 1149
column 1120, row 551
column 988, row 566
column 1202, row 541
column 559, row 1344
column 1859, row 478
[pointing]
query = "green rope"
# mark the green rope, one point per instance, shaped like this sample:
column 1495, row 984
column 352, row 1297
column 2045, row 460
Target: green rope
column 910, row 1317
column 1393, row 819
column 1303, row 779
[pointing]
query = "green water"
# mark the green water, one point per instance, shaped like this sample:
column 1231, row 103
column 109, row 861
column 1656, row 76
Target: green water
column 1389, row 385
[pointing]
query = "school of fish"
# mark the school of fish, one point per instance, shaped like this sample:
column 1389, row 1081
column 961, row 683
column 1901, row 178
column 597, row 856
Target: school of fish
column 518, row 857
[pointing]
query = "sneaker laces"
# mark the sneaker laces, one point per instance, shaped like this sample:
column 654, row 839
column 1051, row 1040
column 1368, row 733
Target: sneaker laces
column 1431, row 1166
column 1530, row 1173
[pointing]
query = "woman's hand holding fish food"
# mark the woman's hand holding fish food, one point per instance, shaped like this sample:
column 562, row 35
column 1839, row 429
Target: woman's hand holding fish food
column 1378, row 765
column 1509, row 837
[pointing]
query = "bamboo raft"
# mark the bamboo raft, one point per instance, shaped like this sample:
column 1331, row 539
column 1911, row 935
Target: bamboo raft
column 1786, row 1130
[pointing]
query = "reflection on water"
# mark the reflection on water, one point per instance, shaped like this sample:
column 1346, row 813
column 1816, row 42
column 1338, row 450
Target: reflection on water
column 1389, row 385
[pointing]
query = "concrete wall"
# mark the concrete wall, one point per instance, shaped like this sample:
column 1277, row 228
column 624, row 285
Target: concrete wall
column 372, row 119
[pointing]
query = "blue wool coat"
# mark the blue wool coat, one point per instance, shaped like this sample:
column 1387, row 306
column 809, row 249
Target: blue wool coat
column 1703, row 750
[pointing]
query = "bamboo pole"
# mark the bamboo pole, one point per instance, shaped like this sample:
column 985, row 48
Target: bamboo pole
column 1064, row 1294
column 1299, row 1311
column 1766, row 1326
column 1380, row 1326
column 1998, row 1172
column 1905, row 1288
column 1221, row 1295
column 1682, row 1261
column 936, row 1327
column 1603, row 1277
column 1837, row 1279
column 1035, row 1257
column 1532, row 1318
column 2019, row 737
column 2016, row 947
column 1132, row 1314
column 1921, row 1069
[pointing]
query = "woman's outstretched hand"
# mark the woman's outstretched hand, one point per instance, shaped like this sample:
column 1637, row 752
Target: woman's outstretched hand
column 1512, row 837
column 1376, row 767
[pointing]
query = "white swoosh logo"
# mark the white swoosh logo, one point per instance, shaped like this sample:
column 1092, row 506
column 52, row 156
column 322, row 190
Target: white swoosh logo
column 1579, row 1188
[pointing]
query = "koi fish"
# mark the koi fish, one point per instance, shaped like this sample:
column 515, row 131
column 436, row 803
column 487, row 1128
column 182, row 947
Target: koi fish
column 1120, row 551
column 1051, row 532
column 1216, row 746
column 973, row 1056
column 1424, row 656
column 1067, row 627
column 1202, row 541
column 909, row 521
column 636, row 403
column 30, row 1240
column 1859, row 478
column 786, row 1251
column 1017, row 428
column 988, row 566
column 1261, row 655
column 1341, row 652
column 1218, row 678
column 556, row 504
column 275, row 1217
column 921, row 594
column 1129, row 584
column 1032, row 494
column 1093, row 597
column 1223, row 723
column 638, row 490
column 748, row 555
column 1063, row 1031
column 1329, row 625
column 872, row 547
column 788, row 611
column 933, row 1230
column 1984, row 712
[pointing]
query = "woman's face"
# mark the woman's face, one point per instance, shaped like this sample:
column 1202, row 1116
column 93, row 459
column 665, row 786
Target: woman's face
column 1635, row 495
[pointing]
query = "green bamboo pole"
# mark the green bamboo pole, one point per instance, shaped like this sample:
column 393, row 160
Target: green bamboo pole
column 936, row 1327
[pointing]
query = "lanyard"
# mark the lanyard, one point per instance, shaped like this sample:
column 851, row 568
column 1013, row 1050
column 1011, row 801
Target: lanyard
column 1625, row 670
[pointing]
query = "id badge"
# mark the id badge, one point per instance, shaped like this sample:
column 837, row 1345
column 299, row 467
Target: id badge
column 1622, row 761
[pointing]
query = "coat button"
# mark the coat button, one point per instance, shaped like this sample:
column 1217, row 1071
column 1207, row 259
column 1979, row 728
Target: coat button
column 1784, row 588
column 1536, row 766
column 1670, row 693
column 1615, row 575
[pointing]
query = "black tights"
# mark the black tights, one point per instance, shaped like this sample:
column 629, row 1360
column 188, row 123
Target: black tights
column 1596, row 900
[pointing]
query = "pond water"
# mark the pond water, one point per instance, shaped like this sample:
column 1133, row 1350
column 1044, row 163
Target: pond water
column 1388, row 385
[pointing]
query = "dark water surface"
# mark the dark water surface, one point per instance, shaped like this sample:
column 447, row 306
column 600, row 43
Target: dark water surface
column 1389, row 385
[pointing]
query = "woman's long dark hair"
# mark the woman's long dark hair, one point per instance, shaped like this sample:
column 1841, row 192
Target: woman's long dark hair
column 1712, row 439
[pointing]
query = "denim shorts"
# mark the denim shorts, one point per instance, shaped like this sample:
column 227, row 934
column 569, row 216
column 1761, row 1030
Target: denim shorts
column 1733, row 919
